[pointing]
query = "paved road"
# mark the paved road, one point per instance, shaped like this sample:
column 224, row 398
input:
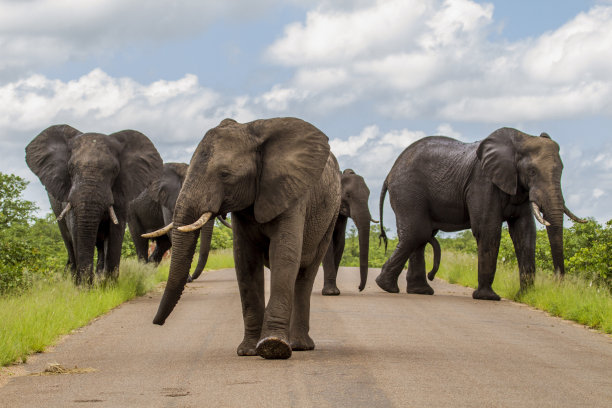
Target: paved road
column 374, row 349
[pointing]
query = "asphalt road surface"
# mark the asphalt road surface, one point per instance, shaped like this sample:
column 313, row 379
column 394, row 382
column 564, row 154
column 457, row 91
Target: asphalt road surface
column 373, row 349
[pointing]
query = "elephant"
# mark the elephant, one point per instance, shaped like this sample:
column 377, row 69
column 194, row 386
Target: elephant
column 281, row 183
column 439, row 183
column 90, row 178
column 154, row 208
column 353, row 204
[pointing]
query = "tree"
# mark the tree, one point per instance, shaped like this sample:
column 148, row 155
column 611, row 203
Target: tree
column 13, row 208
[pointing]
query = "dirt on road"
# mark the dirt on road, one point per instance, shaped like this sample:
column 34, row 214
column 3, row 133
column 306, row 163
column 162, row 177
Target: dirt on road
column 373, row 349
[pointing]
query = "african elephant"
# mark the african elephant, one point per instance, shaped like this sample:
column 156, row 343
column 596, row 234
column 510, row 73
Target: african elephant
column 354, row 204
column 439, row 183
column 281, row 183
column 154, row 208
column 90, row 179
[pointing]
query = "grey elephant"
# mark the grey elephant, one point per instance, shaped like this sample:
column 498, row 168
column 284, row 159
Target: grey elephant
column 354, row 204
column 153, row 209
column 441, row 184
column 281, row 184
column 90, row 179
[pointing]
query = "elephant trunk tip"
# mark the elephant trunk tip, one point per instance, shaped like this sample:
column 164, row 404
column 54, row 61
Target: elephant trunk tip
column 159, row 320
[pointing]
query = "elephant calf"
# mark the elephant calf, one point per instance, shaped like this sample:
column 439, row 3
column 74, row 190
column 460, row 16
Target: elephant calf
column 281, row 183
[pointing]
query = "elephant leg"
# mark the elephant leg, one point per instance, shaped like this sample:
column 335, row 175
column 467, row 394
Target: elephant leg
column 329, row 273
column 416, row 281
column 523, row 233
column 141, row 244
column 331, row 261
column 285, row 254
column 300, row 317
column 488, row 249
column 113, row 251
column 100, row 262
column 408, row 242
column 250, row 275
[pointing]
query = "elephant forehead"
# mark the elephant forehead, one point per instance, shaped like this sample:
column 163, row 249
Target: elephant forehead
column 92, row 149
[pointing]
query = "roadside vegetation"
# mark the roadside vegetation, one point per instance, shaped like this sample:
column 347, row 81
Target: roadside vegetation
column 584, row 295
column 39, row 303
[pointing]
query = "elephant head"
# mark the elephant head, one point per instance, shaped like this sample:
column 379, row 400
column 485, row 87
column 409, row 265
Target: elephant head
column 95, row 176
column 263, row 167
column 521, row 164
column 354, row 204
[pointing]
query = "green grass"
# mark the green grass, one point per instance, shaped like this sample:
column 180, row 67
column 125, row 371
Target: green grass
column 34, row 320
column 570, row 298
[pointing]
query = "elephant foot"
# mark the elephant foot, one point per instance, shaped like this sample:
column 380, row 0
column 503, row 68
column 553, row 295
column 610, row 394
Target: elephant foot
column 247, row 348
column 302, row 343
column 387, row 285
column 330, row 290
column 485, row 294
column 273, row 348
column 189, row 278
column 420, row 290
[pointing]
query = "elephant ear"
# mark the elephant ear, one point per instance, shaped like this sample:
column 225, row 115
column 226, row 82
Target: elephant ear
column 293, row 156
column 171, row 183
column 140, row 165
column 497, row 156
column 48, row 156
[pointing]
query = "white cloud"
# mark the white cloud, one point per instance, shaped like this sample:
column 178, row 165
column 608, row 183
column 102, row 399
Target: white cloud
column 43, row 33
column 598, row 193
column 433, row 59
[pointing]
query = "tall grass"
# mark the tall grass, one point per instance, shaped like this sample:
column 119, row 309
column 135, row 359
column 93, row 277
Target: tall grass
column 571, row 298
column 34, row 320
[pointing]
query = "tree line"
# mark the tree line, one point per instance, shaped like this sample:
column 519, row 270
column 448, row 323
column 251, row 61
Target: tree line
column 31, row 247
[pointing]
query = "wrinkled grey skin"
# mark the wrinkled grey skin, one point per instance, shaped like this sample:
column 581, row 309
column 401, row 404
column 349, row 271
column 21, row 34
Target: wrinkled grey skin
column 439, row 183
column 92, row 172
column 154, row 208
column 281, row 183
column 354, row 205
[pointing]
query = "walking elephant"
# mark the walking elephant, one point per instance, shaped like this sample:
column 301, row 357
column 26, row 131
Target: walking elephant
column 281, row 183
column 154, row 208
column 90, row 179
column 439, row 183
column 354, row 204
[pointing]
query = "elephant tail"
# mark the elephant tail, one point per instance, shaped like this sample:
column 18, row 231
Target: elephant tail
column 436, row 254
column 383, row 234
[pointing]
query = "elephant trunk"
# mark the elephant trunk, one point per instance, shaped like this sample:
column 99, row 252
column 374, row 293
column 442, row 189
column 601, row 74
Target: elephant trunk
column 555, row 237
column 183, row 248
column 362, row 221
column 205, row 240
column 87, row 223
column 553, row 209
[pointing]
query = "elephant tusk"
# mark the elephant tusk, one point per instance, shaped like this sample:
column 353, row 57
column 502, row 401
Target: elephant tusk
column 196, row 225
column 113, row 216
column 572, row 216
column 374, row 221
column 538, row 216
column 159, row 232
column 64, row 212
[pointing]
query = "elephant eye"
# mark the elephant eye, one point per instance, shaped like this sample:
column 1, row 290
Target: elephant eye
column 224, row 174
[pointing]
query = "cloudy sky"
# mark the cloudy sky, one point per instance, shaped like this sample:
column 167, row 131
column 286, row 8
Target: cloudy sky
column 374, row 75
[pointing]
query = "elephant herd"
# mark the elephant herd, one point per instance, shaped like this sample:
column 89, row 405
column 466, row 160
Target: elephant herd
column 289, row 206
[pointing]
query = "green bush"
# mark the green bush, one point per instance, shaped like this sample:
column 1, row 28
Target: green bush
column 587, row 250
column 222, row 237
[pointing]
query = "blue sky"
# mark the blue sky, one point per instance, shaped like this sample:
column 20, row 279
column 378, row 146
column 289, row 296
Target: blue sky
column 373, row 75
